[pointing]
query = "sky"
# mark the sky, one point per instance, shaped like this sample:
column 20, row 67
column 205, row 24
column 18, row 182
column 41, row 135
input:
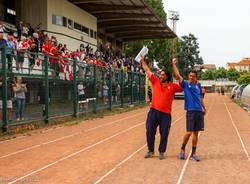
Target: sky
column 221, row 26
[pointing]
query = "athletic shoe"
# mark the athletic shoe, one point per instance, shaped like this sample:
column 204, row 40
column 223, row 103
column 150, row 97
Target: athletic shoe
column 195, row 158
column 149, row 154
column 182, row 155
column 161, row 156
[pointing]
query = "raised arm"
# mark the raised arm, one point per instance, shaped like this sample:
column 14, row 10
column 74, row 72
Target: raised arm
column 145, row 66
column 176, row 71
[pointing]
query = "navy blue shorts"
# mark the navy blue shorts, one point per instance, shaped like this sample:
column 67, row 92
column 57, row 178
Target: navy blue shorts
column 195, row 121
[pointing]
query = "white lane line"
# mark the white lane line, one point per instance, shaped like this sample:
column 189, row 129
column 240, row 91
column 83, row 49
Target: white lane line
column 76, row 153
column 100, row 126
column 61, row 138
column 128, row 158
column 66, row 137
column 48, row 130
column 39, row 145
column 56, row 128
column 188, row 157
column 107, row 124
column 238, row 133
column 11, row 139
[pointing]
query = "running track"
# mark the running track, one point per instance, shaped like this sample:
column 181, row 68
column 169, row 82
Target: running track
column 111, row 150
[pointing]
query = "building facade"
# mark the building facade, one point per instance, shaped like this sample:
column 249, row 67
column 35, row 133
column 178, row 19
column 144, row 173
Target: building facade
column 241, row 66
column 60, row 18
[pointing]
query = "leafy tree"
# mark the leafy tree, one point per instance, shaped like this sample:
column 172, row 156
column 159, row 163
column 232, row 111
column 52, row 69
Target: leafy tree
column 159, row 49
column 158, row 7
column 221, row 73
column 189, row 54
column 244, row 78
column 233, row 74
column 208, row 75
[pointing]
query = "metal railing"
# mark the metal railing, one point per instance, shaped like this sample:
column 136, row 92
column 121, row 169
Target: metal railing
column 57, row 82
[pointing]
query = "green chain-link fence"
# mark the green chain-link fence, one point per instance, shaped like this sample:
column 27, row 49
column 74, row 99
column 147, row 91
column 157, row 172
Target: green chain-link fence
column 55, row 89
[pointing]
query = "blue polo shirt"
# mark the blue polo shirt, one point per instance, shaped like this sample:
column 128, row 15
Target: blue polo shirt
column 192, row 96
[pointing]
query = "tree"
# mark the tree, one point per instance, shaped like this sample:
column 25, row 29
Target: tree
column 221, row 73
column 159, row 49
column 208, row 75
column 188, row 52
column 157, row 6
column 233, row 74
column 244, row 78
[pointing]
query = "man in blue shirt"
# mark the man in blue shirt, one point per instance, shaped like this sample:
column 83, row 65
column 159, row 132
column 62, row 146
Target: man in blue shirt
column 195, row 109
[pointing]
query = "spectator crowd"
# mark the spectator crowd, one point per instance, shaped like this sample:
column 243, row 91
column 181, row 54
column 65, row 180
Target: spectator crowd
column 29, row 42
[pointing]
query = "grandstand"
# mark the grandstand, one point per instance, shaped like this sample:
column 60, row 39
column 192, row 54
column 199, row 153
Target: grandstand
column 93, row 33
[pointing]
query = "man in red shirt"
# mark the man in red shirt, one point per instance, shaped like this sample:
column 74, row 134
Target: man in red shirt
column 160, row 111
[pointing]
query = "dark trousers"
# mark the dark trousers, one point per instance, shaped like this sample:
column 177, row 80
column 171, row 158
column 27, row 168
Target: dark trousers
column 155, row 119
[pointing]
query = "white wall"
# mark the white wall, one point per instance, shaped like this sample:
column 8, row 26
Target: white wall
column 69, row 10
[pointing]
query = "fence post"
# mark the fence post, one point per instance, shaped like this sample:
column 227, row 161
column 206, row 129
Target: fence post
column 139, row 78
column 110, row 88
column 75, row 103
column 46, row 81
column 4, row 91
column 95, row 88
column 122, row 88
column 132, row 90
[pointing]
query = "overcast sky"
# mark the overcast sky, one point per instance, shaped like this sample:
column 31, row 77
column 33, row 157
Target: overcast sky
column 222, row 27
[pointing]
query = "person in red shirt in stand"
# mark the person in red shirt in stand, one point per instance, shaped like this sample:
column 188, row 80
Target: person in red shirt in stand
column 160, row 110
column 47, row 46
column 47, row 49
column 56, row 52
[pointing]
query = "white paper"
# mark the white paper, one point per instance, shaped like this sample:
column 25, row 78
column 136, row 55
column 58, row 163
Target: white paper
column 143, row 52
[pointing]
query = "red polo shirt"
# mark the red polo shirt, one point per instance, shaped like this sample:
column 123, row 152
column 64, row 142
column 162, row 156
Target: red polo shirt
column 163, row 95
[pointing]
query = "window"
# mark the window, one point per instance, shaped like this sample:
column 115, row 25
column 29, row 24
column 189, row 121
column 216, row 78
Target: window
column 57, row 20
column 91, row 33
column 65, row 22
column 70, row 24
column 85, row 30
column 12, row 12
column 77, row 26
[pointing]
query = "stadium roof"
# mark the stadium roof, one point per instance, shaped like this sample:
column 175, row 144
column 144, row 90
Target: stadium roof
column 126, row 19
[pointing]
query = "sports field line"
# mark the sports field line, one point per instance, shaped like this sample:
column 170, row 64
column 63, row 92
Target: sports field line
column 11, row 139
column 111, row 123
column 75, row 153
column 183, row 170
column 66, row 137
column 63, row 138
column 100, row 126
column 237, row 131
column 129, row 157
column 49, row 130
